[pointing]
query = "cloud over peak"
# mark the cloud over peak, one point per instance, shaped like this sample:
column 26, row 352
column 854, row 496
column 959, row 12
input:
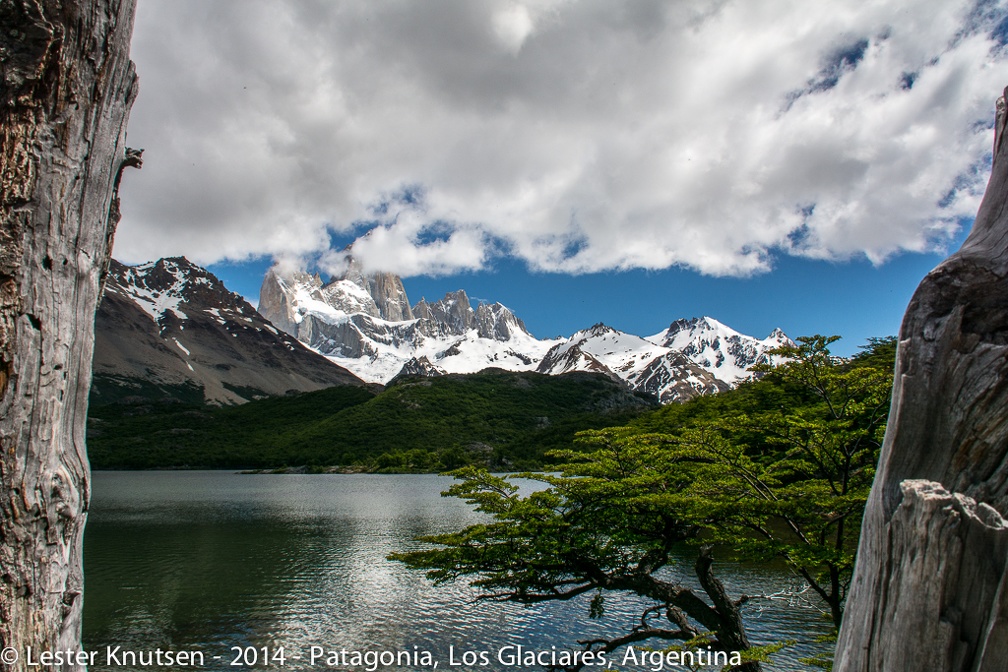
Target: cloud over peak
column 576, row 135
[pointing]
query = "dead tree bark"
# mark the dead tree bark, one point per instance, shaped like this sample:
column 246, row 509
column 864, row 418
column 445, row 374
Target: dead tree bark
column 930, row 588
column 67, row 87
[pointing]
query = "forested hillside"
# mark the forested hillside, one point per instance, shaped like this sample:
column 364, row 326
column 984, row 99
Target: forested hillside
column 497, row 419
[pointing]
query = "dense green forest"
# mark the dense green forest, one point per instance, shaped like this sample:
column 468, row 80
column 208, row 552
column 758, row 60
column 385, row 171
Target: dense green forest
column 497, row 419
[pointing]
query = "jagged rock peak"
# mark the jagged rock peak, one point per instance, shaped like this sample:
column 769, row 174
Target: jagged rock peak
column 422, row 309
column 778, row 335
column 419, row 367
column 390, row 295
column 378, row 294
column 167, row 274
column 497, row 322
column 279, row 294
column 354, row 271
column 693, row 324
column 457, row 301
column 453, row 314
column 600, row 329
column 597, row 330
column 718, row 348
column 571, row 356
column 697, row 325
column 386, row 289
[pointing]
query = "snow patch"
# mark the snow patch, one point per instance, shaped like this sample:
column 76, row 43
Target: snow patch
column 156, row 304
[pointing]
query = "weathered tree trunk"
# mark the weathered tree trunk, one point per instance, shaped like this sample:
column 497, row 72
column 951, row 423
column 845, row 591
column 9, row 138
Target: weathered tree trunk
column 929, row 589
column 67, row 87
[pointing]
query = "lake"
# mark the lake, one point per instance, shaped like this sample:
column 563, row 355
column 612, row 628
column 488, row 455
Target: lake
column 208, row 560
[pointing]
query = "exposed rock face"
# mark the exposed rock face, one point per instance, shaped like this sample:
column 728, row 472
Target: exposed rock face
column 386, row 289
column 673, row 377
column 496, row 322
column 575, row 354
column 930, row 589
column 171, row 325
column 421, row 367
column 452, row 315
column 275, row 300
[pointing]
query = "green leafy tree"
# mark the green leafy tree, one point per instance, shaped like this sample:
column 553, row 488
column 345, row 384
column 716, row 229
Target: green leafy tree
column 780, row 473
column 795, row 479
column 609, row 523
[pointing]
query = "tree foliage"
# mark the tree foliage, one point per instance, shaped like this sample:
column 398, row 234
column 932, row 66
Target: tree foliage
column 781, row 468
column 799, row 476
column 608, row 523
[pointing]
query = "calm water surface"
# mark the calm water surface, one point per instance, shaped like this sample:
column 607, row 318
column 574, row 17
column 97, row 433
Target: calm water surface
column 210, row 560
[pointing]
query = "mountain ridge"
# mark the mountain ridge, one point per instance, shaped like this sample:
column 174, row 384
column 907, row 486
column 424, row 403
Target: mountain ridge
column 172, row 328
column 692, row 357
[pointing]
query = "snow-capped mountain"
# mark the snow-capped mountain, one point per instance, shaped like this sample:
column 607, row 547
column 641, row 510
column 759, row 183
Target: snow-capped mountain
column 288, row 300
column 719, row 349
column 365, row 323
column 600, row 348
column 668, row 374
column 172, row 329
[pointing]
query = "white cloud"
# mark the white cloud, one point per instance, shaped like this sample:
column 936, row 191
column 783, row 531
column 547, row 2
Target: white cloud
column 512, row 24
column 579, row 136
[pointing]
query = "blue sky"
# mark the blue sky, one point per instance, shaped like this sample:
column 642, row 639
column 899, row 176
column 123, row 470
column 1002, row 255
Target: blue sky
column 765, row 162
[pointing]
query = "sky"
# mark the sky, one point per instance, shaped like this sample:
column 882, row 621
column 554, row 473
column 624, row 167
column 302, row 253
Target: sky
column 769, row 163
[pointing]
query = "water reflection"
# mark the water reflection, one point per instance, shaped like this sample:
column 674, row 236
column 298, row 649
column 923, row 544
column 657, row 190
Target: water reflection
column 210, row 560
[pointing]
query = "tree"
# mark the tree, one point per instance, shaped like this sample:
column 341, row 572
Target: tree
column 68, row 85
column 793, row 481
column 781, row 469
column 609, row 523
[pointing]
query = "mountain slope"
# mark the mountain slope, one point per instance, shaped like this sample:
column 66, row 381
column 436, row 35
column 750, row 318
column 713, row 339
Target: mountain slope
column 719, row 349
column 171, row 330
column 645, row 366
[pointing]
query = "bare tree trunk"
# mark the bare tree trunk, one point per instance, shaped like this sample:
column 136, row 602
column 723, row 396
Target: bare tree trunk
column 930, row 589
column 67, row 87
